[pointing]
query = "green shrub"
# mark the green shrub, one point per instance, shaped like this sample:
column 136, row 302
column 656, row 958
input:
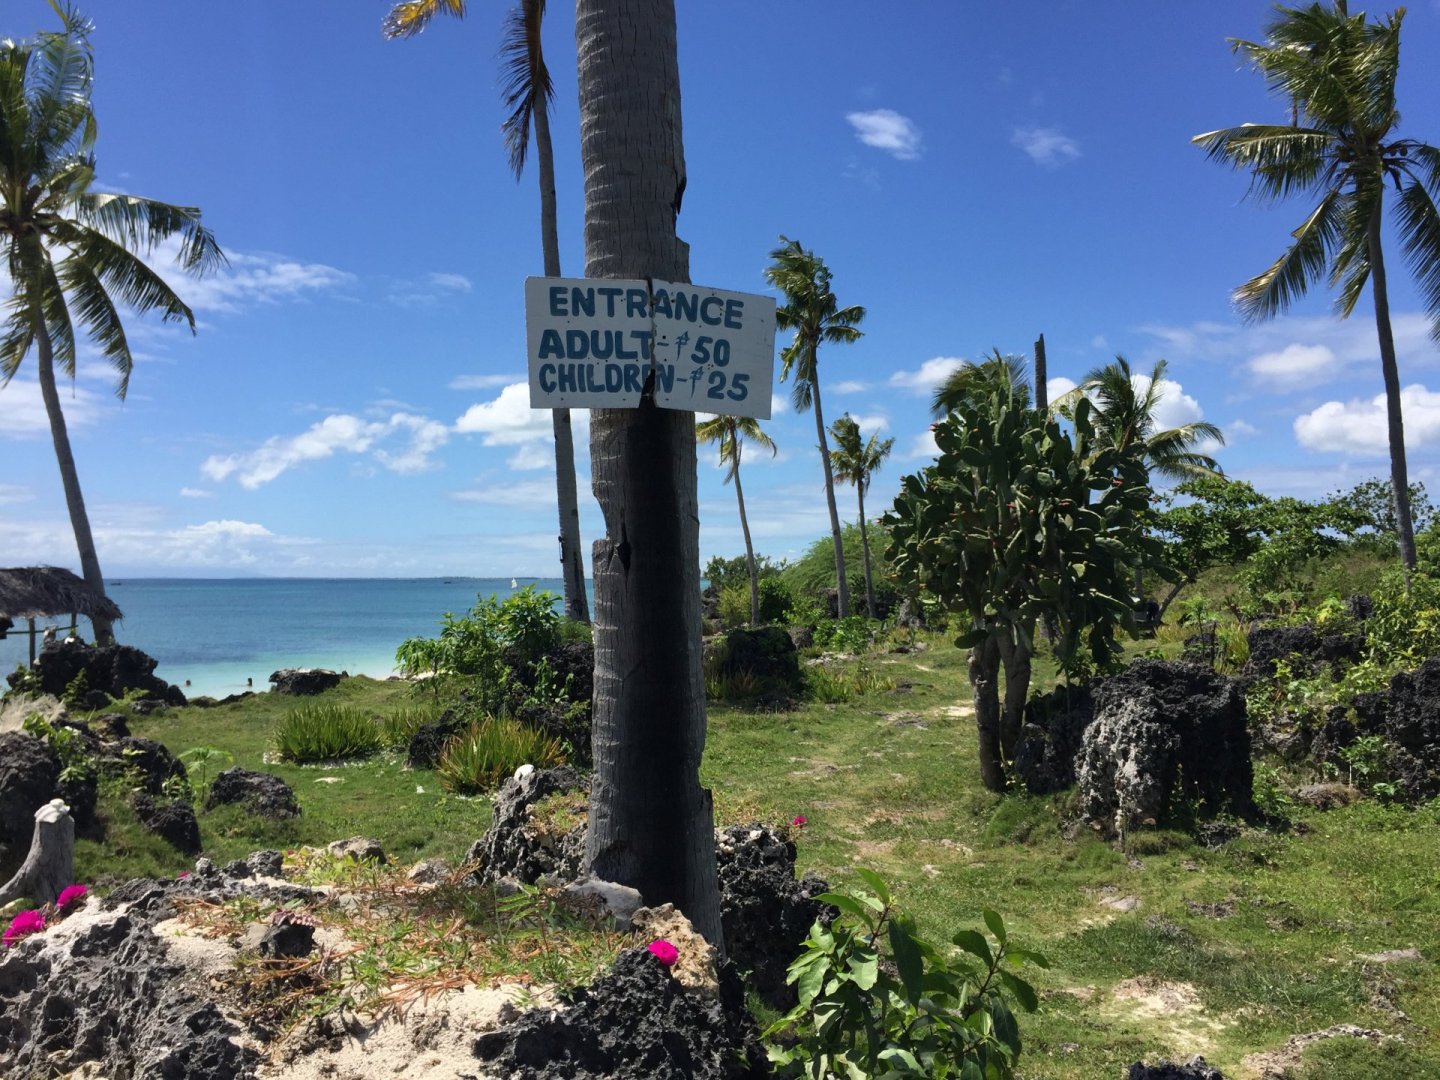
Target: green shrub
column 399, row 727
column 916, row 1012
column 853, row 634
column 1406, row 621
column 491, row 749
column 326, row 733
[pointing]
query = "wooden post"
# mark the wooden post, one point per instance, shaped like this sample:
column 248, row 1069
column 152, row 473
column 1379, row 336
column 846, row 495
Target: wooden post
column 31, row 622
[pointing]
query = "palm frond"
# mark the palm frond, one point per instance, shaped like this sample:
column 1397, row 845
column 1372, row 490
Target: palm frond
column 1420, row 240
column 125, row 274
column 1303, row 262
column 138, row 223
column 527, row 84
column 96, row 312
column 55, row 313
column 410, row 18
column 1350, row 264
column 18, row 336
column 1282, row 160
column 58, row 78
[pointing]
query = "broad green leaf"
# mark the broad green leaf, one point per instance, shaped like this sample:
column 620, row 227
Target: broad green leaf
column 864, row 969
column 876, row 882
column 908, row 958
column 995, row 923
column 809, row 981
column 1021, row 990
column 845, row 903
column 973, row 942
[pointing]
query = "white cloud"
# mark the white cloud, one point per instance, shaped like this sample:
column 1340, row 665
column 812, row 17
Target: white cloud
column 248, row 279
column 922, row 446
column 481, row 382
column 196, row 493
column 508, row 420
column 1359, row 426
column 14, row 493
column 532, row 455
column 457, row 282
column 22, row 410
column 1352, row 341
column 1058, row 387
column 869, row 425
column 1099, row 342
column 850, row 386
column 505, row 491
column 339, row 433
column 888, row 130
column 1296, row 366
column 1240, row 429
column 930, row 374
column 779, row 405
column 1046, row 146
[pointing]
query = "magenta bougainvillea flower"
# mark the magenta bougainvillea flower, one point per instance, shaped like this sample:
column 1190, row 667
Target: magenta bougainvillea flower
column 663, row 951
column 70, row 896
column 24, row 924
column 799, row 821
column 182, row 875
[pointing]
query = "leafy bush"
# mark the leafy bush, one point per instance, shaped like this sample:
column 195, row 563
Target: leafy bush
column 735, row 602
column 814, row 572
column 852, row 635
column 491, row 749
column 933, row 1017
column 1406, row 621
column 325, row 733
column 721, row 573
column 399, row 727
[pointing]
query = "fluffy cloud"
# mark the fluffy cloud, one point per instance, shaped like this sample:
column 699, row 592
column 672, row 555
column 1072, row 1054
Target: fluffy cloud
column 454, row 282
column 505, row 491
column 1297, row 366
column 196, row 493
column 339, row 433
column 249, row 279
column 1351, row 341
column 888, row 130
column 850, row 386
column 929, row 375
column 14, row 493
column 1046, row 146
column 22, row 410
column 1359, row 426
column 509, row 420
column 481, row 382
column 922, row 446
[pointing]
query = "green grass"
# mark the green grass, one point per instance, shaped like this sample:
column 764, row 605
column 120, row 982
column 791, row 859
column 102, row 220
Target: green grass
column 1265, row 933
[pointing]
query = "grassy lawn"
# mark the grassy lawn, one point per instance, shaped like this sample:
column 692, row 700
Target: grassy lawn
column 1165, row 948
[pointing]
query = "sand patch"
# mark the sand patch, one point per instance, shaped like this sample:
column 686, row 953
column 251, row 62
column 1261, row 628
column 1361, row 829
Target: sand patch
column 1277, row 1064
column 1169, row 1011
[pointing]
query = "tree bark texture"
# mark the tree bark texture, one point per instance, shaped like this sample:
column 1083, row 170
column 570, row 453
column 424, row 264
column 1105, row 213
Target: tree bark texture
column 749, row 547
column 50, row 865
column 1042, row 391
column 865, row 555
column 842, row 587
column 572, row 559
column 1390, row 370
column 651, row 823
column 70, row 479
column 984, row 667
column 1015, row 655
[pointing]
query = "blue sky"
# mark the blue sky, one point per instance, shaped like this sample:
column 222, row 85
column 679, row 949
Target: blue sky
column 974, row 174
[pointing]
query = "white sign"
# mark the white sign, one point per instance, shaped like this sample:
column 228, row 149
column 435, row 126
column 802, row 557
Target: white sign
column 594, row 343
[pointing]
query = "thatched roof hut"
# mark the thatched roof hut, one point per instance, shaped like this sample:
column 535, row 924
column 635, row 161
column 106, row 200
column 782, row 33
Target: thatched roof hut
column 34, row 592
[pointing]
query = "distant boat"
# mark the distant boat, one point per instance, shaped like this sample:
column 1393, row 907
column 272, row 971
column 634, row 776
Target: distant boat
column 514, row 584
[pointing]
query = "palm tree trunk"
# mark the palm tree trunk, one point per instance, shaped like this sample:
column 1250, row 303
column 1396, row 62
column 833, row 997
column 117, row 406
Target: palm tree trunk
column 984, row 667
column 1399, row 475
column 1042, row 390
column 572, row 562
column 842, row 587
column 865, row 556
column 74, row 500
column 745, row 528
column 651, row 824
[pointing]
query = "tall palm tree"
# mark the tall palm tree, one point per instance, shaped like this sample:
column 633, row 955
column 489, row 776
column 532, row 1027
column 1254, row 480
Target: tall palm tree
column 651, row 824
column 1338, row 74
column 528, row 93
column 811, row 310
column 1125, row 416
column 855, row 462
column 72, row 252
column 1003, row 372
column 732, row 432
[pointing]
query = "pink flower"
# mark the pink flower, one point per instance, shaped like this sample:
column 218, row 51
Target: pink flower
column 24, row 924
column 182, row 875
column 799, row 821
column 663, row 951
column 71, row 895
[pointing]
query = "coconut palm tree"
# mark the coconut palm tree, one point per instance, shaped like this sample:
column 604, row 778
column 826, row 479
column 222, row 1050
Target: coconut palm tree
column 72, row 252
column 1007, row 372
column 811, row 310
column 651, row 824
column 1338, row 72
column 855, row 463
column 1125, row 407
column 731, row 433
column 528, row 93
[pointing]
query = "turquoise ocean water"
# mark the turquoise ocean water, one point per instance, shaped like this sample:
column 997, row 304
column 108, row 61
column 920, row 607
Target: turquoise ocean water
column 219, row 633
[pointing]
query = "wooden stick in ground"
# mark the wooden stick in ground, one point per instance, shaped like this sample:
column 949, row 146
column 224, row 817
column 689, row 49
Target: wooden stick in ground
column 50, row 866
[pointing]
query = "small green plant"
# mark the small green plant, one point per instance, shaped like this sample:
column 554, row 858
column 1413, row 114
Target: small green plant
column 933, row 1017
column 852, row 634
column 1269, row 793
column 398, row 728
column 77, row 690
column 202, row 764
column 828, row 687
column 1367, row 760
column 66, row 742
column 491, row 749
column 326, row 733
